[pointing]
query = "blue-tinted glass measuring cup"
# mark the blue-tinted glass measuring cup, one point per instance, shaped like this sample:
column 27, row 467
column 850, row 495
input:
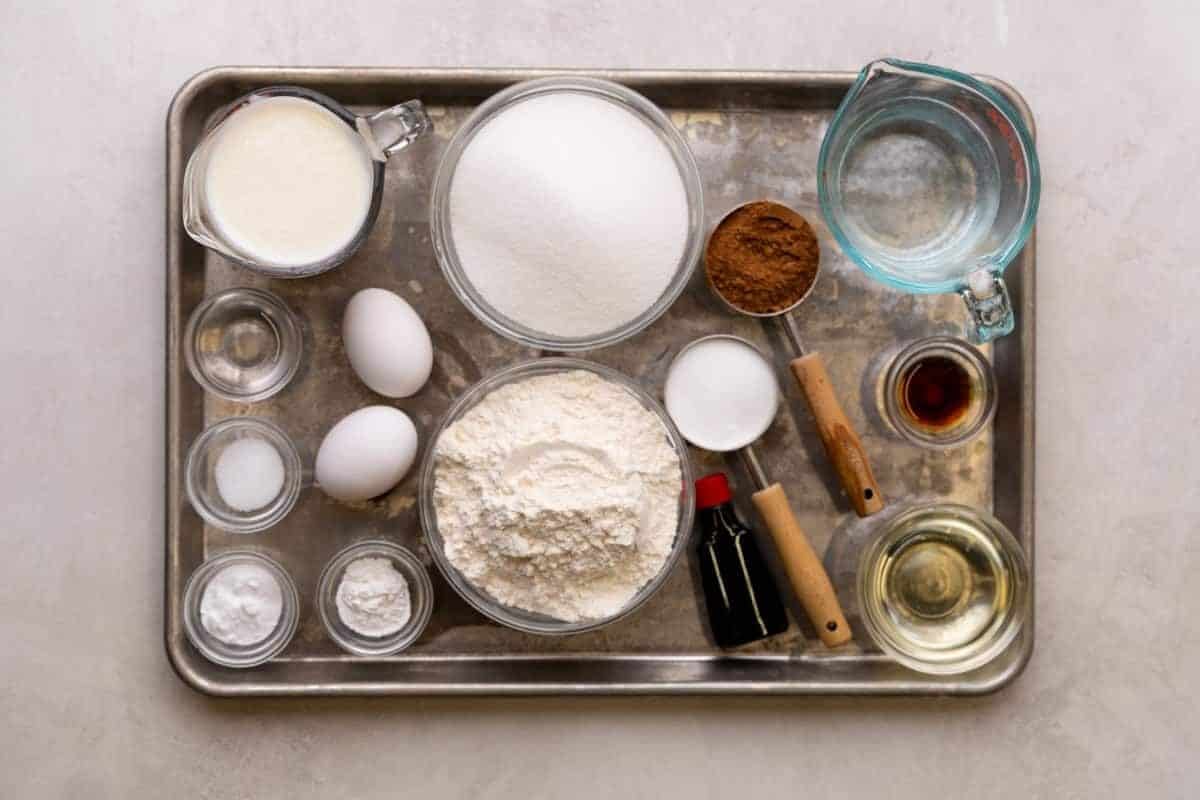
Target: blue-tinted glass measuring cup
column 929, row 181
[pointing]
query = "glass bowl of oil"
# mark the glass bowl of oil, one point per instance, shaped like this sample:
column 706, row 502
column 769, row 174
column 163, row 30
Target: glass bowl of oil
column 944, row 589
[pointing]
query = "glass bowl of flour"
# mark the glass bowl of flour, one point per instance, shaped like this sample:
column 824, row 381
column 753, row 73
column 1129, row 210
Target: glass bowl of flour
column 567, row 213
column 556, row 496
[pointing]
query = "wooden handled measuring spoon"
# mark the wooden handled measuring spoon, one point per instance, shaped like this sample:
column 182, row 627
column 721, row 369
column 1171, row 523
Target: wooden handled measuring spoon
column 722, row 395
column 755, row 255
column 842, row 444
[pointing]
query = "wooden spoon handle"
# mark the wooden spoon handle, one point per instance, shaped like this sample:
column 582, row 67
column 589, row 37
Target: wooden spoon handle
column 805, row 572
column 841, row 442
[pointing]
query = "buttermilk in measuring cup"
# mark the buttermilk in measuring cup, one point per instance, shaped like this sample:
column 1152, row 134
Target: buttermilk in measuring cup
column 288, row 182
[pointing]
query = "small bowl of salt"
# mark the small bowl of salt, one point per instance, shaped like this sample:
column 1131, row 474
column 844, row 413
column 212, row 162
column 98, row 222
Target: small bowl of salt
column 375, row 598
column 243, row 475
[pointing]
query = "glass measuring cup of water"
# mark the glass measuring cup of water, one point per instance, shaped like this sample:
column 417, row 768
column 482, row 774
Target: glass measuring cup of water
column 929, row 181
column 288, row 182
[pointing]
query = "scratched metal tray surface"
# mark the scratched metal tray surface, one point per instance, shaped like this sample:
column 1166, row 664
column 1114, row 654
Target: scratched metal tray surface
column 754, row 135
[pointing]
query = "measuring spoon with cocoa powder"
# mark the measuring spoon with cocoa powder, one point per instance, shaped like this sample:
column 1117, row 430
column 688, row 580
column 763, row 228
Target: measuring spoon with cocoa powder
column 762, row 260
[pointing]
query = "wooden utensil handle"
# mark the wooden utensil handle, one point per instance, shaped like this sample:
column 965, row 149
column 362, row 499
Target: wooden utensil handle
column 805, row 572
column 841, row 442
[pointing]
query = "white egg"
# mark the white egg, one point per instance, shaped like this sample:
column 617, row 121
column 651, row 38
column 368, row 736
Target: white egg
column 387, row 343
column 366, row 453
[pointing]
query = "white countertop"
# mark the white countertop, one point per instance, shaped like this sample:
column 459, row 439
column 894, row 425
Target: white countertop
column 1108, row 706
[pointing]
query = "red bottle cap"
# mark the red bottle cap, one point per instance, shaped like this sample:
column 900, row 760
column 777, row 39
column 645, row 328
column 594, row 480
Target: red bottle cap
column 712, row 490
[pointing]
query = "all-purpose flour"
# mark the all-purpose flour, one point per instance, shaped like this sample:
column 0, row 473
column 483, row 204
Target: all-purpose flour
column 568, row 214
column 558, row 494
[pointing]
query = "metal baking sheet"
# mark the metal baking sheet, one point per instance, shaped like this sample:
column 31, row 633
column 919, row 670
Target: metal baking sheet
column 754, row 135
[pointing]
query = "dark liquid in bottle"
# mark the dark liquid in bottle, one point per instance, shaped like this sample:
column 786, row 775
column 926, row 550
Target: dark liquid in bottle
column 936, row 392
column 743, row 605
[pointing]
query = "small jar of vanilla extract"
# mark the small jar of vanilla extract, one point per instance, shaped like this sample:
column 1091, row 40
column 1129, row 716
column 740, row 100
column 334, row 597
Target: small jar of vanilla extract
column 939, row 392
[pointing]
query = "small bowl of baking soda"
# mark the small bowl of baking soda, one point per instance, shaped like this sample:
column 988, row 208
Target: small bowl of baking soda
column 240, row 609
column 374, row 598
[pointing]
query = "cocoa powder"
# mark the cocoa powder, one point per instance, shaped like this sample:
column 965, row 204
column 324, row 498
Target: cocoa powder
column 762, row 258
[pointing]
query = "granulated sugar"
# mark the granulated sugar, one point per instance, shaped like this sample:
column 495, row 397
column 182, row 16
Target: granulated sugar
column 568, row 214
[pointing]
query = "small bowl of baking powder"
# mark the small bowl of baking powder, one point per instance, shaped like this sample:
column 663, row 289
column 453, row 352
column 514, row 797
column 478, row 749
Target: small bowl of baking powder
column 240, row 609
column 374, row 598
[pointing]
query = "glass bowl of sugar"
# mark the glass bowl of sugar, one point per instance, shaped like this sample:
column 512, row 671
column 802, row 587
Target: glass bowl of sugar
column 567, row 213
column 243, row 475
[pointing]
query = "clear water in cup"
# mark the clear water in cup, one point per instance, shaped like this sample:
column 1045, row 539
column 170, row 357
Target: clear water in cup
column 920, row 188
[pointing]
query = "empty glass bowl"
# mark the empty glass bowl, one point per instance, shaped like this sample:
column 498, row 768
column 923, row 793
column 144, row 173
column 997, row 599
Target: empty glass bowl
column 233, row 655
column 243, row 344
column 201, row 479
column 420, row 593
column 484, row 603
column 442, row 234
column 944, row 589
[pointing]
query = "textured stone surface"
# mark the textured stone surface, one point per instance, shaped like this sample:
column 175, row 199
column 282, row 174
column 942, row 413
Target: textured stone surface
column 90, row 707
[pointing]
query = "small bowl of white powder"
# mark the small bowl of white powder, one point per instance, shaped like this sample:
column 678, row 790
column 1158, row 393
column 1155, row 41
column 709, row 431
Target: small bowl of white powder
column 567, row 213
column 243, row 475
column 240, row 609
column 556, row 496
column 375, row 598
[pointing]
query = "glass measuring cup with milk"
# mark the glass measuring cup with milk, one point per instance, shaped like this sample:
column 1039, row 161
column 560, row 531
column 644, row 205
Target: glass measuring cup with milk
column 288, row 182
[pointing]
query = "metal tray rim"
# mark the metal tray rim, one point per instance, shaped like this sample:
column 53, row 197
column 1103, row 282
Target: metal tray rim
column 183, row 663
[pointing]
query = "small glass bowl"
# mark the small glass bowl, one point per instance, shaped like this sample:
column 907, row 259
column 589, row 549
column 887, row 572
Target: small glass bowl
column 232, row 655
column 443, row 239
column 980, row 408
column 420, row 590
column 243, row 344
column 517, row 618
column 944, row 589
column 200, row 479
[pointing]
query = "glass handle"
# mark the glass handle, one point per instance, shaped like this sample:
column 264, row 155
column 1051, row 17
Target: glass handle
column 989, row 306
column 393, row 129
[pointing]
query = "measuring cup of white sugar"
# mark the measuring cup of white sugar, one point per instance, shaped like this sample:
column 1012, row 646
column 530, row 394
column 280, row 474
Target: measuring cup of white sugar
column 288, row 182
